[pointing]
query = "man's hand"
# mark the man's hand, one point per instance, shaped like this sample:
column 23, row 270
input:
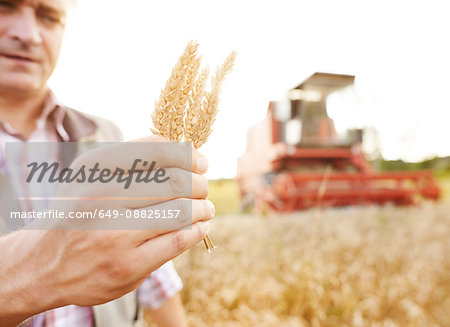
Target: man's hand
column 45, row 269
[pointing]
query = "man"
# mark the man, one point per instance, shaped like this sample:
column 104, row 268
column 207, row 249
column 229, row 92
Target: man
column 42, row 270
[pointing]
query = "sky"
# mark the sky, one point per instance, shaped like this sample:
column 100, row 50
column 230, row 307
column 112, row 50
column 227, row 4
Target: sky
column 118, row 55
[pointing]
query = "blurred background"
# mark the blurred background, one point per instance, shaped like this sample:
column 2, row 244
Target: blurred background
column 313, row 226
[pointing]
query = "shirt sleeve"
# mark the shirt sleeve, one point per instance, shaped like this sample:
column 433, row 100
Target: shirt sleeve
column 160, row 286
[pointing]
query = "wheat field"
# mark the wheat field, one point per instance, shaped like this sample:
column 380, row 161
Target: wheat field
column 372, row 266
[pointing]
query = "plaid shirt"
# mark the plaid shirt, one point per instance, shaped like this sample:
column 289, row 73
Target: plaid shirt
column 161, row 285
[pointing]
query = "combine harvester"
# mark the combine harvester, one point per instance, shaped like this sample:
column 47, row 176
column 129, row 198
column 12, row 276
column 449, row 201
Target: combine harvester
column 298, row 162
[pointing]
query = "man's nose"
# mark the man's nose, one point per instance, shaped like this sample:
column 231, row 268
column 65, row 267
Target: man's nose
column 25, row 28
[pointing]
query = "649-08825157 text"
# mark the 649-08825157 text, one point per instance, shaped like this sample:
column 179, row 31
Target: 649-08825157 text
column 101, row 214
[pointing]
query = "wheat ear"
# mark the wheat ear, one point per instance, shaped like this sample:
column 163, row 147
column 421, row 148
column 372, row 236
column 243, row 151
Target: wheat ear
column 171, row 106
column 184, row 89
column 196, row 101
column 211, row 103
column 191, row 67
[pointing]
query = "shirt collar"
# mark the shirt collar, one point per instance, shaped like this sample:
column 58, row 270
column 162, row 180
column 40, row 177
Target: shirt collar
column 53, row 112
column 54, row 109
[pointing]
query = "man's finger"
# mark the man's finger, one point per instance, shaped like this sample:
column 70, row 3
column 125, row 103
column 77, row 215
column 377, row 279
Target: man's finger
column 184, row 212
column 145, row 154
column 176, row 183
column 161, row 249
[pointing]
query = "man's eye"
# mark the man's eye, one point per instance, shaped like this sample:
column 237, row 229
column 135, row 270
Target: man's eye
column 49, row 19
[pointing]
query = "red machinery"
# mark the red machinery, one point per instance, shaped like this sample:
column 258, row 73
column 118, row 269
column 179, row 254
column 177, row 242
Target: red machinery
column 298, row 161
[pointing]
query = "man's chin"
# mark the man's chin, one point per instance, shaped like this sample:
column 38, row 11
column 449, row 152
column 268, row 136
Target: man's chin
column 22, row 85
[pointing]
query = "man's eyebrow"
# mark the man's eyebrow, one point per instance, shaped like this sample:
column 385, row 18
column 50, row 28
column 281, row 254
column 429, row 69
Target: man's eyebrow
column 46, row 7
column 51, row 9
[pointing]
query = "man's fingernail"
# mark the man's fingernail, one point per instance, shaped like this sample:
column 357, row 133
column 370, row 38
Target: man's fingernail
column 202, row 164
column 212, row 208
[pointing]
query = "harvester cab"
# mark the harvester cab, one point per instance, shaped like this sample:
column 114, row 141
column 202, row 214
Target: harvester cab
column 304, row 116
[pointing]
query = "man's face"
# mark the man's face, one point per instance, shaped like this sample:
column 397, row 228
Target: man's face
column 31, row 33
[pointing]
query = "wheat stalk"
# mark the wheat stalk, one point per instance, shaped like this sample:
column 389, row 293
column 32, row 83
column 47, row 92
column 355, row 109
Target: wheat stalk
column 185, row 108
